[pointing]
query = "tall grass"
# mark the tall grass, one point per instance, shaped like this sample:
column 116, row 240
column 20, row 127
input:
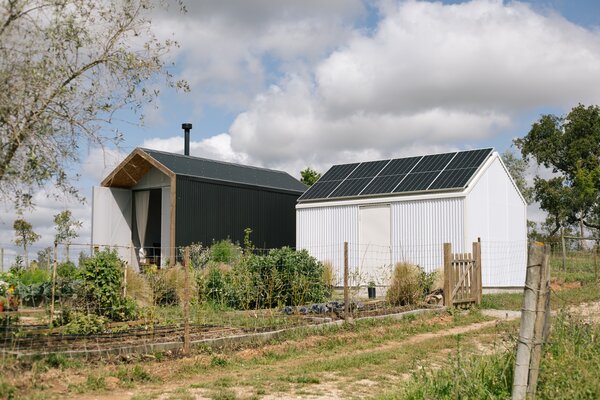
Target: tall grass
column 569, row 369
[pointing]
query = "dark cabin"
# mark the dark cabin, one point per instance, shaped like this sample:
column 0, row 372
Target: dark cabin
column 176, row 200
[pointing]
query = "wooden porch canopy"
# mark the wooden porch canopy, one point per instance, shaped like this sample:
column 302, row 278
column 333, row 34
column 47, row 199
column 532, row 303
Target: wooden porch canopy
column 129, row 172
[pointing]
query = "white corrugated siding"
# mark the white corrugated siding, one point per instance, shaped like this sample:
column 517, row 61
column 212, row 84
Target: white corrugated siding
column 496, row 213
column 323, row 230
column 420, row 228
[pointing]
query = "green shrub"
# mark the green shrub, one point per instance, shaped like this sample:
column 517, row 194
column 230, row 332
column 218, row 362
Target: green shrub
column 282, row 277
column 66, row 270
column 101, row 287
column 33, row 276
column 85, row 324
column 225, row 251
column 406, row 286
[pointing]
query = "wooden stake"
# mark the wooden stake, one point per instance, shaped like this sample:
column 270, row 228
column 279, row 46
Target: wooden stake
column 525, row 341
column 53, row 282
column 540, row 322
column 346, row 288
column 448, row 274
column 186, row 301
column 564, row 249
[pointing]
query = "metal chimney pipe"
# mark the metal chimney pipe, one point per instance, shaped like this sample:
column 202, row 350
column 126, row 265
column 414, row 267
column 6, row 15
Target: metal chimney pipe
column 186, row 143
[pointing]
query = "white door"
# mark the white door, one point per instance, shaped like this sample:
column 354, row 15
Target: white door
column 374, row 243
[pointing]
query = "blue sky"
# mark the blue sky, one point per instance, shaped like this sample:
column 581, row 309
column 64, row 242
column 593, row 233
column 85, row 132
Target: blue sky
column 310, row 83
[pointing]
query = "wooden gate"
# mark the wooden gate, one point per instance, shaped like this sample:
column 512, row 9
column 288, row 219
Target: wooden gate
column 462, row 276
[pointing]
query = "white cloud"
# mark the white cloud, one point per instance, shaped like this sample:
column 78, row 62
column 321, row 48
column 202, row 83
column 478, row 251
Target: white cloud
column 231, row 49
column 431, row 74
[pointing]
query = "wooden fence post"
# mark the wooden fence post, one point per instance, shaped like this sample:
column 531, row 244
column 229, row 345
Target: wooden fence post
column 448, row 274
column 53, row 281
column 346, row 288
column 540, row 321
column 186, row 301
column 477, row 257
column 564, row 249
column 528, row 314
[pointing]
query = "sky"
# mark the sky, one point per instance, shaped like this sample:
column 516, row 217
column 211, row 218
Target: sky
column 293, row 84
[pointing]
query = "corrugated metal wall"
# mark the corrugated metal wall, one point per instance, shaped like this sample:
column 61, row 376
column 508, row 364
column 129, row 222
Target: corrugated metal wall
column 208, row 211
column 421, row 227
column 418, row 230
column 496, row 214
column 323, row 230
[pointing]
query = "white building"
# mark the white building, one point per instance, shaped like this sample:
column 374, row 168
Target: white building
column 403, row 210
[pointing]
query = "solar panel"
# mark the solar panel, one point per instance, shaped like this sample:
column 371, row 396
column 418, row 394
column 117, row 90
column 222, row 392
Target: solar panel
column 469, row 159
column 416, row 181
column 400, row 166
column 368, row 169
column 350, row 187
column 453, row 178
column 320, row 190
column 402, row 175
column 383, row 184
column 338, row 172
column 435, row 162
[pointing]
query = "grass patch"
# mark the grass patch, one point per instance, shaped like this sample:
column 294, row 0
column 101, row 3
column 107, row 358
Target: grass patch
column 137, row 374
column 567, row 297
column 568, row 370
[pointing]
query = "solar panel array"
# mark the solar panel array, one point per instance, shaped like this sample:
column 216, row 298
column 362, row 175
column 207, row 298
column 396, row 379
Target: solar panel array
column 402, row 175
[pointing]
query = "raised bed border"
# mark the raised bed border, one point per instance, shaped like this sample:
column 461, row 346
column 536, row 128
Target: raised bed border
column 257, row 337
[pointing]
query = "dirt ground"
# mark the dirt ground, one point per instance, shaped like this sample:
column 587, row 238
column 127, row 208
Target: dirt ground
column 348, row 364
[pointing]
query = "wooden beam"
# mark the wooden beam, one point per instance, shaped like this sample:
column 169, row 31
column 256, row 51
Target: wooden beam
column 172, row 217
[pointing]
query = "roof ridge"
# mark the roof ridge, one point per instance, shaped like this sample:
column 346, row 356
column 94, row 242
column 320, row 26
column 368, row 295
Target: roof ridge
column 418, row 155
column 214, row 161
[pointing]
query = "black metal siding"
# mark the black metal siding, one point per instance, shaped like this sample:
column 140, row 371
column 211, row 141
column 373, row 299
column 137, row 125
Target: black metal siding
column 208, row 211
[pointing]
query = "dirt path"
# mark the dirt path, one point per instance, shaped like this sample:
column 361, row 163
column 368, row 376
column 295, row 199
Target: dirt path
column 328, row 386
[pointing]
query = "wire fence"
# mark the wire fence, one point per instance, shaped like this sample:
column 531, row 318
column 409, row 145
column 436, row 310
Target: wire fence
column 71, row 299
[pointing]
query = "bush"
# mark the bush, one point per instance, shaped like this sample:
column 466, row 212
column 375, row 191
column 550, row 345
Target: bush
column 101, row 287
column 282, row 277
column 66, row 270
column 406, row 286
column 84, row 324
column 33, row 276
column 225, row 251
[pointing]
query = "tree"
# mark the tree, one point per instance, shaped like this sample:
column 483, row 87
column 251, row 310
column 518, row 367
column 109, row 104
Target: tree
column 66, row 229
column 309, row 176
column 570, row 146
column 24, row 236
column 44, row 258
column 66, row 68
column 518, row 168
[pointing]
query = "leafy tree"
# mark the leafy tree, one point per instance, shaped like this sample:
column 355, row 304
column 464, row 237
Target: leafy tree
column 570, row 146
column 309, row 176
column 66, row 229
column 518, row 168
column 45, row 258
column 66, row 68
column 24, row 236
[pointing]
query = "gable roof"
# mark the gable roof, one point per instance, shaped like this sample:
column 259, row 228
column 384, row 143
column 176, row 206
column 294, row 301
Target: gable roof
column 139, row 162
column 427, row 173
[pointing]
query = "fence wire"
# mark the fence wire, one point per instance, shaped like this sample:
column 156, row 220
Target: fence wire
column 232, row 291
